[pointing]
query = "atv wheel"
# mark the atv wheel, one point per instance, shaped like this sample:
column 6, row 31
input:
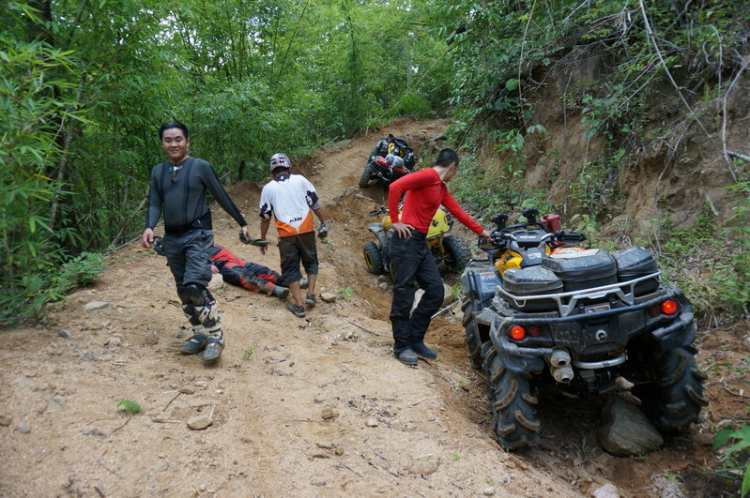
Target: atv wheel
column 674, row 401
column 374, row 259
column 458, row 253
column 471, row 337
column 364, row 181
column 512, row 404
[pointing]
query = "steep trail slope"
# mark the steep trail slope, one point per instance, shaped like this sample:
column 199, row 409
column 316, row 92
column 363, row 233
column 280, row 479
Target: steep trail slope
column 314, row 407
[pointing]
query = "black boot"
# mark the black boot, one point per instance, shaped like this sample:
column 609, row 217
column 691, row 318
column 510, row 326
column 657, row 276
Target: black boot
column 407, row 357
column 423, row 351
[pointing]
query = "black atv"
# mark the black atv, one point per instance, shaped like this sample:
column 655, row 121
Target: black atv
column 541, row 314
column 391, row 159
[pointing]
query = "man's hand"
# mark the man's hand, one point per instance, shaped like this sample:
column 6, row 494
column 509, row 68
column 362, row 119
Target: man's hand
column 214, row 269
column 323, row 230
column 245, row 231
column 484, row 235
column 402, row 229
column 147, row 240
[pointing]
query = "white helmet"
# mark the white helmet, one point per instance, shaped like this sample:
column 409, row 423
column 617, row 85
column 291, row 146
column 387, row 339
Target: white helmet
column 280, row 161
column 394, row 161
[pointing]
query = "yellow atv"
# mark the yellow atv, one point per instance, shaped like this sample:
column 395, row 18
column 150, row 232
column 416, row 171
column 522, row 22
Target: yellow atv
column 451, row 252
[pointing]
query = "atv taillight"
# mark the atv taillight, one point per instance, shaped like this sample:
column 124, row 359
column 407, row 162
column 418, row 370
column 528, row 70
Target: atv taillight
column 535, row 331
column 517, row 333
column 669, row 307
column 400, row 170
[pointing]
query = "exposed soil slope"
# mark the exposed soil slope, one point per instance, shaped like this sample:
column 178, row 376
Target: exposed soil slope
column 299, row 407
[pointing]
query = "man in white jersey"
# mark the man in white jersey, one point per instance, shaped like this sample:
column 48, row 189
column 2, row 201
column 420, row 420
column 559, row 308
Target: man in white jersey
column 292, row 199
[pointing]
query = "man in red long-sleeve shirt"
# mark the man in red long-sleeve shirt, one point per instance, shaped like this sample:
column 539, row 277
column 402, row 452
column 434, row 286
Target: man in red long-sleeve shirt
column 410, row 256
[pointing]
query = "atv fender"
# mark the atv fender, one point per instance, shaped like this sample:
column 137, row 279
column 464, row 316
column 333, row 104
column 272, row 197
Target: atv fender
column 379, row 232
column 516, row 359
column 680, row 332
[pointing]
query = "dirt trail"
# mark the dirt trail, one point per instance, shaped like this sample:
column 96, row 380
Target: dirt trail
column 314, row 407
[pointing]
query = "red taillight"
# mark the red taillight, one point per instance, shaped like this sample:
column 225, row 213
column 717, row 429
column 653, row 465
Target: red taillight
column 535, row 331
column 517, row 333
column 669, row 307
column 654, row 311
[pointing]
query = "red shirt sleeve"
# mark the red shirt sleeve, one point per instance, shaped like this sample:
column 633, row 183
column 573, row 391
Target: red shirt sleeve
column 452, row 206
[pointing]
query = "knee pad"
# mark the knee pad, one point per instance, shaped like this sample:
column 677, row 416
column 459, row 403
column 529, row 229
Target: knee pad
column 197, row 294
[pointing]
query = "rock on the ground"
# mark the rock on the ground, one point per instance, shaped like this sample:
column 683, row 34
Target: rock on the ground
column 609, row 490
column 217, row 282
column 5, row 420
column 328, row 297
column 95, row 305
column 425, row 465
column 328, row 414
column 447, row 298
column 667, row 488
column 199, row 422
column 371, row 422
column 23, row 429
column 626, row 431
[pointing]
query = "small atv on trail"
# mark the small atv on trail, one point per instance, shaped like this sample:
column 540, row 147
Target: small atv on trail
column 451, row 252
column 391, row 159
column 540, row 314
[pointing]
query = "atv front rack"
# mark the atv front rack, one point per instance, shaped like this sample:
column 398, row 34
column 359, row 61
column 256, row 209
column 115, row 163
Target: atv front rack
column 567, row 301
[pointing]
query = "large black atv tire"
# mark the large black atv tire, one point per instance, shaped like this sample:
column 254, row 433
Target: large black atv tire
column 374, row 259
column 364, row 180
column 471, row 332
column 675, row 400
column 512, row 404
column 458, row 253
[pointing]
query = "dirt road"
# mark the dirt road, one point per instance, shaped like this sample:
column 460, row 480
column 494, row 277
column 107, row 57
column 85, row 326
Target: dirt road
column 313, row 407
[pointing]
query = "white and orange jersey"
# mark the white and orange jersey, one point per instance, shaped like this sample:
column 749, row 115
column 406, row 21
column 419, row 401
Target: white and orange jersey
column 290, row 199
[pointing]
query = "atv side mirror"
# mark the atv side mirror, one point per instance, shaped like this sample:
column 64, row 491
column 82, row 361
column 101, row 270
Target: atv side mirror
column 530, row 214
column 500, row 220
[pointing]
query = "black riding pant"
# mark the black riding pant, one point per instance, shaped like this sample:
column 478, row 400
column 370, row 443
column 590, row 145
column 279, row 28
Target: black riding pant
column 412, row 261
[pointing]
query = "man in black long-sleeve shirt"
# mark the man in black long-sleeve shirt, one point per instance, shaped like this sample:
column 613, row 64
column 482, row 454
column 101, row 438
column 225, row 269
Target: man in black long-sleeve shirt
column 178, row 188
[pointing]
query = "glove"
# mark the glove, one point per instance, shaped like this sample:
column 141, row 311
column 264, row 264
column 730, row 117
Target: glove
column 253, row 242
column 323, row 230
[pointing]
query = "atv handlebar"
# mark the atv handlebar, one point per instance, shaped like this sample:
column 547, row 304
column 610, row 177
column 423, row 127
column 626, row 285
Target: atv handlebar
column 500, row 239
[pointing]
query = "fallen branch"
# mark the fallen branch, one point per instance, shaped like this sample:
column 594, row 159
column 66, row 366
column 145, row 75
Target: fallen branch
column 444, row 309
column 367, row 330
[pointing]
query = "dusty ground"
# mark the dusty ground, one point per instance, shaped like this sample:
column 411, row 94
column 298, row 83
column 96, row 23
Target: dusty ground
column 314, row 407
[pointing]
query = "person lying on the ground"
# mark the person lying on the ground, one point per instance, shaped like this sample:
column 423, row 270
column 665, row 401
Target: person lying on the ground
column 251, row 276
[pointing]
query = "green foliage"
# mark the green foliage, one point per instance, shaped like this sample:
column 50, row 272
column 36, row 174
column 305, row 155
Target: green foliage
column 249, row 352
column 719, row 284
column 85, row 87
column 736, row 456
column 82, row 271
column 129, row 406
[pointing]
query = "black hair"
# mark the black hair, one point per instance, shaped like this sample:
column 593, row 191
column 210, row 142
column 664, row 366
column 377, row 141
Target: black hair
column 446, row 156
column 170, row 125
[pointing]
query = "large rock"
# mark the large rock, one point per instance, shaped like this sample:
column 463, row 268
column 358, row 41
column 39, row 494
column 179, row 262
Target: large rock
column 626, row 431
column 217, row 282
column 447, row 299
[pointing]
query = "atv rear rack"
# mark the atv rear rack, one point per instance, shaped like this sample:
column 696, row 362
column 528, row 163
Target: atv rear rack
column 567, row 301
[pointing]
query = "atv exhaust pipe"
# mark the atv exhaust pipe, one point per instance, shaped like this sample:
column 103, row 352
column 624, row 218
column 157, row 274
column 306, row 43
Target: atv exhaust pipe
column 563, row 375
column 561, row 370
column 559, row 358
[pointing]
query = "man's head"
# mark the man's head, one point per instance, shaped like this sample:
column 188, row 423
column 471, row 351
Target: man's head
column 280, row 163
column 448, row 159
column 174, row 141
